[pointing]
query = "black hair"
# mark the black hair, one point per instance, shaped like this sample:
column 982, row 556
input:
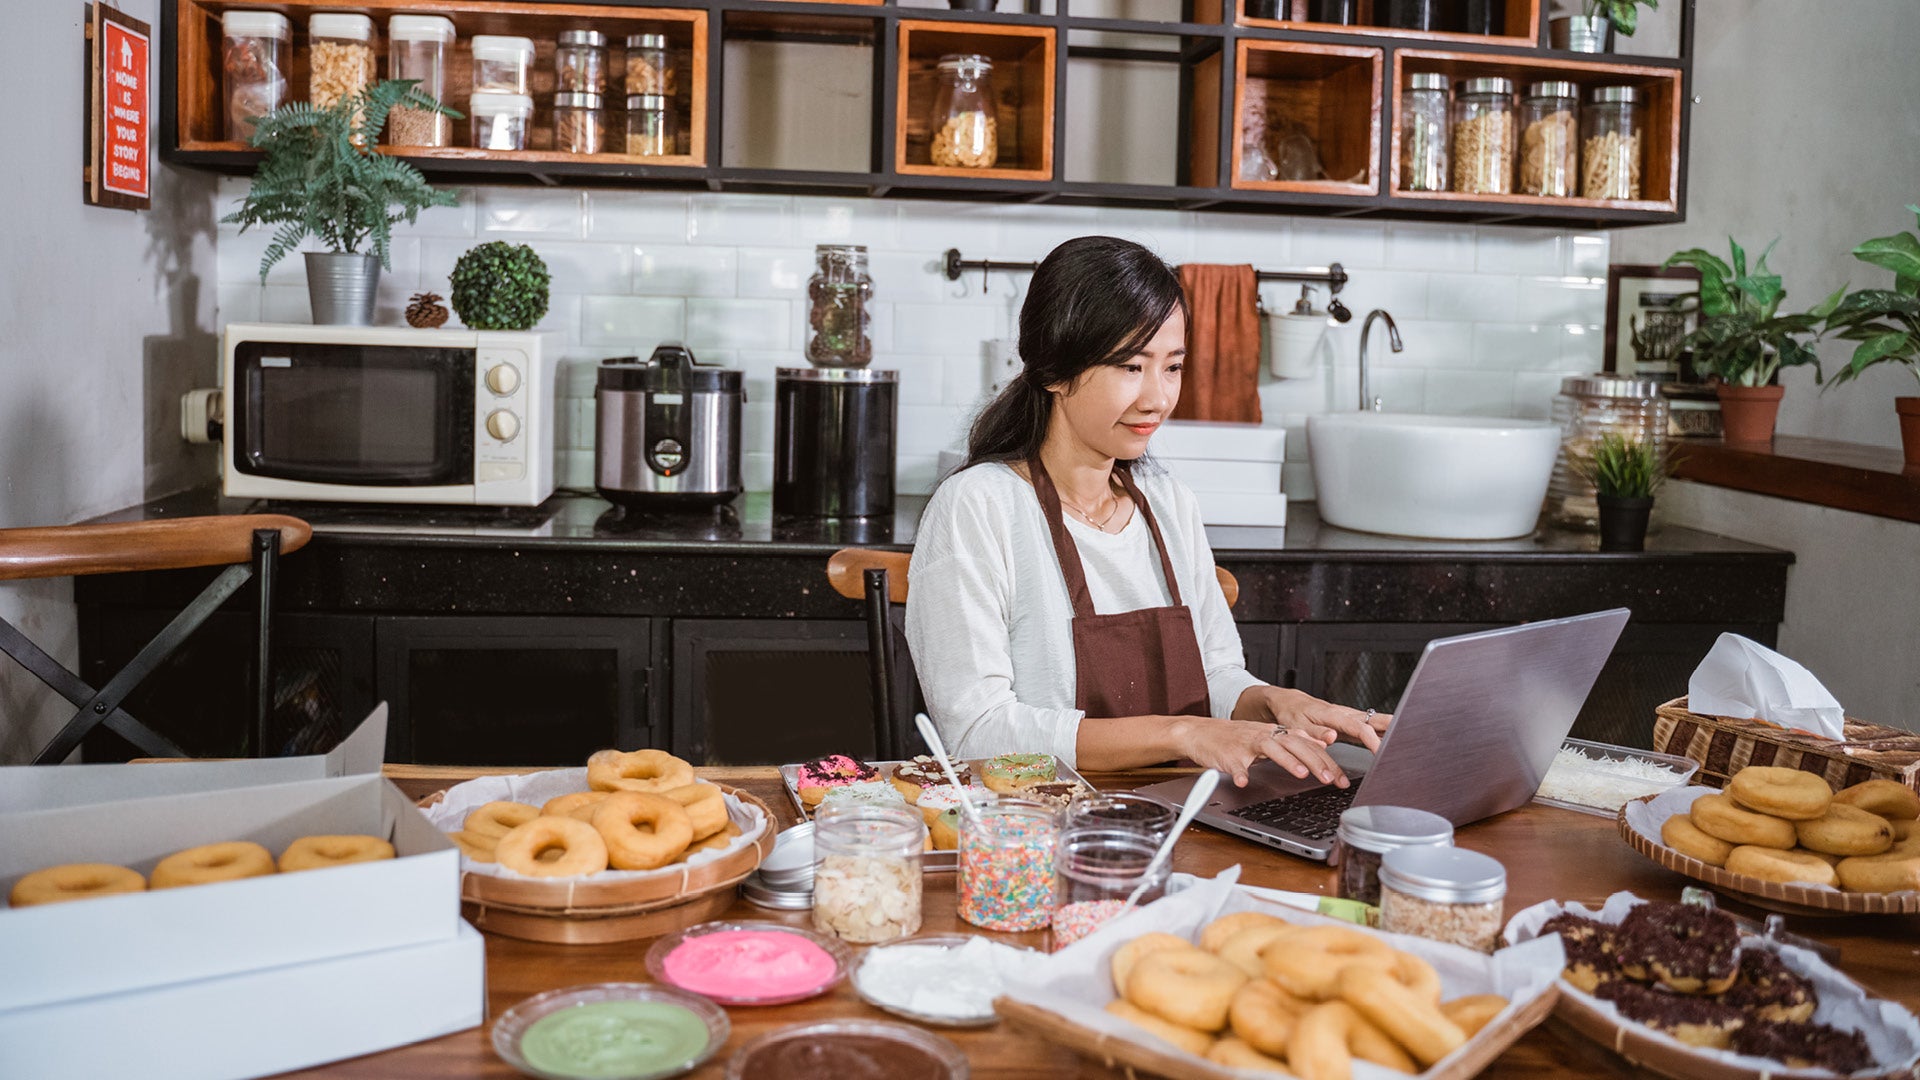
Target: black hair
column 1093, row 300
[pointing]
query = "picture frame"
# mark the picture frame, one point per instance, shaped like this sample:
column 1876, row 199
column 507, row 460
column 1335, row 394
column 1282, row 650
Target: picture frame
column 1647, row 317
column 119, row 166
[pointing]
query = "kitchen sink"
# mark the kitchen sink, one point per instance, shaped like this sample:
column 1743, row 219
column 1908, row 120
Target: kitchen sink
column 1439, row 477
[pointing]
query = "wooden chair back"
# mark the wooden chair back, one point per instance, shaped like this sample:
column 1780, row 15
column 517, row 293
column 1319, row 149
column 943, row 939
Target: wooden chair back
column 123, row 547
column 847, row 567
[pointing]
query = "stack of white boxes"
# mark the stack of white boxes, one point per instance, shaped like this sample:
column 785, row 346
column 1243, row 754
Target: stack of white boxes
column 1233, row 468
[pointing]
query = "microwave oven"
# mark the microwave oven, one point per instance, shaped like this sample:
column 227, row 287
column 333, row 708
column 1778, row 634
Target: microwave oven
column 388, row 414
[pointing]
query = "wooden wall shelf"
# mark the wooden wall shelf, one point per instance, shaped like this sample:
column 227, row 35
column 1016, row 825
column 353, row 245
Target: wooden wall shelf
column 1520, row 28
column 1330, row 91
column 1022, row 77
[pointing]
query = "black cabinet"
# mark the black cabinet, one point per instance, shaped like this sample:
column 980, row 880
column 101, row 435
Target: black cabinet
column 767, row 691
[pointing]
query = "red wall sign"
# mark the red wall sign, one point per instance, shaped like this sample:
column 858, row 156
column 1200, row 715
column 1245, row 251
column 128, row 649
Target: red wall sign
column 119, row 169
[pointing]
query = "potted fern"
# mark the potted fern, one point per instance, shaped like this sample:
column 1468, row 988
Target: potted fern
column 319, row 178
column 1886, row 323
column 1625, row 473
column 1592, row 30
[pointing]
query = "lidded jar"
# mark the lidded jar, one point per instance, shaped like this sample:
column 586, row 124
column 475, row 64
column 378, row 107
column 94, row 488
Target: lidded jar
column 963, row 128
column 500, row 121
column 1549, row 139
column 417, row 49
column 1483, row 136
column 1444, row 894
column 839, row 331
column 1611, row 143
column 649, row 130
column 1005, row 860
column 580, row 62
column 1367, row 833
column 339, row 57
column 649, row 70
column 1424, row 127
column 1589, row 406
column 255, row 52
column 1095, row 870
column 866, row 871
column 500, row 64
column 579, row 123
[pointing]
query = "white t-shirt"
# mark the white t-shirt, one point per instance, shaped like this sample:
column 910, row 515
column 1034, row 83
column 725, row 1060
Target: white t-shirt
column 990, row 624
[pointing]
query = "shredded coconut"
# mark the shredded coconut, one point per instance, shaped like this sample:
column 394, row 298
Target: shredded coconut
column 938, row 980
column 1603, row 783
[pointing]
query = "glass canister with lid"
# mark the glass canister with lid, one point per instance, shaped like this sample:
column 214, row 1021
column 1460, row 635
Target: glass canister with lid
column 580, row 62
column 417, row 49
column 867, row 871
column 1483, row 136
column 1005, row 878
column 1424, row 128
column 1549, row 139
column 1587, row 407
column 1443, row 894
column 1610, row 143
column 500, row 121
column 965, row 132
column 579, row 123
column 501, row 64
column 1095, row 870
column 255, row 53
column 1367, row 833
column 649, row 68
column 339, row 57
column 839, row 333
column 649, row 133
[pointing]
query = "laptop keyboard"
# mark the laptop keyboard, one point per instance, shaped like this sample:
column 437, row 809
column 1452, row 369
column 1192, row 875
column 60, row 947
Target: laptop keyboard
column 1313, row 814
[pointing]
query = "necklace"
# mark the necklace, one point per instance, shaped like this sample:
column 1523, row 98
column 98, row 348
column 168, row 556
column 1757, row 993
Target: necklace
column 1100, row 524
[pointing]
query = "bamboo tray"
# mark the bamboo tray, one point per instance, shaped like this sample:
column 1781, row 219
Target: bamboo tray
column 1791, row 899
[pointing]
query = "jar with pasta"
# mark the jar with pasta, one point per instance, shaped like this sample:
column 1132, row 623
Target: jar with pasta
column 417, row 49
column 1549, row 139
column 339, row 57
column 255, row 48
column 580, row 62
column 1423, row 132
column 649, row 69
column 1483, row 137
column 965, row 132
column 579, row 123
column 1611, row 127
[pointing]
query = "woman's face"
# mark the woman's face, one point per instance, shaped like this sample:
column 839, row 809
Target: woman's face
column 1115, row 408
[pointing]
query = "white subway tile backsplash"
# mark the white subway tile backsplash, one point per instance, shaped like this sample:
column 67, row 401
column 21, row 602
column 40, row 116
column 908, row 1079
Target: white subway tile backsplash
column 739, row 324
column 739, row 219
column 922, row 378
column 756, row 471
column 1428, row 344
column 871, row 222
column 587, row 268
column 1352, row 244
column 1586, row 256
column 684, row 270
column 1472, row 298
column 756, row 421
column 1520, row 251
column 775, row 272
column 903, row 275
column 966, row 378
column 562, row 317
column 915, row 474
column 929, row 429
column 1401, row 294
column 237, row 302
column 636, row 215
column 574, row 469
column 1430, row 247
column 1168, row 233
column 1533, row 393
column 1265, row 243
column 1455, row 392
column 1582, row 348
column 1562, row 300
column 523, row 213
column 635, row 323
column 455, row 220
column 285, row 304
column 1038, row 229
column 1516, row 346
column 946, row 328
column 1399, row 389
column 974, row 228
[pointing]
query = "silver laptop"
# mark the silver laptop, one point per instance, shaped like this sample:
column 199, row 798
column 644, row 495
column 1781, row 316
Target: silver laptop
column 1479, row 724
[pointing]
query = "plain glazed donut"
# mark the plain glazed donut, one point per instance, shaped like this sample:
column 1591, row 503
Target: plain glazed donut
column 1193, row 1042
column 497, row 819
column 705, row 805
column 650, row 771
column 74, row 881
column 1329, row 1036
column 1417, row 976
column 642, row 831
column 1682, row 835
column 1902, row 828
column 1888, row 798
column 1845, row 830
column 1878, row 873
column 1772, row 864
column 1414, row 1023
column 1263, row 1015
column 1473, row 1012
column 320, row 852
column 1235, row 1054
column 477, row 848
column 1307, row 963
column 566, row 805
column 1188, row 987
column 578, row 844
column 1720, row 817
column 212, row 862
column 1242, row 950
column 1130, row 953
column 1783, row 793
column 1213, row 936
column 717, row 840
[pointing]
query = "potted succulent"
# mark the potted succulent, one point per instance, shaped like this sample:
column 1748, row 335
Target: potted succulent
column 1591, row 31
column 319, row 178
column 500, row 286
column 1743, row 341
column 1886, row 323
column 1625, row 473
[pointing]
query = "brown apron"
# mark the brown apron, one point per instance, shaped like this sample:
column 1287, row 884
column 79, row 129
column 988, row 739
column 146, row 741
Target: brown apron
column 1133, row 663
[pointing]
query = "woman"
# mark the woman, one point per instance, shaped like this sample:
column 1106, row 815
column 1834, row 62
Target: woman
column 1064, row 597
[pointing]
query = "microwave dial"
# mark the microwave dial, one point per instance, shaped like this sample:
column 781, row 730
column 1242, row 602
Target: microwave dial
column 503, row 425
column 503, row 379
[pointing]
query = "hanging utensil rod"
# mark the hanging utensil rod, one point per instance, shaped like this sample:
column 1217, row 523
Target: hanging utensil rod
column 1334, row 277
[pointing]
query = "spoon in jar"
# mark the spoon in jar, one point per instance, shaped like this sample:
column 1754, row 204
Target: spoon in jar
column 932, row 735
column 1197, row 798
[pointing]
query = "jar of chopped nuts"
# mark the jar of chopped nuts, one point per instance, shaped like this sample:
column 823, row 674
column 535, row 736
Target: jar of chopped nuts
column 1610, row 138
column 580, row 62
column 339, row 57
column 1443, row 893
column 964, row 128
column 866, row 875
column 1549, row 138
column 649, row 70
column 1483, row 137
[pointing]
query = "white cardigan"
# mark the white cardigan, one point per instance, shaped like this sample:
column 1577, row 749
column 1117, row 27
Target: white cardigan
column 990, row 624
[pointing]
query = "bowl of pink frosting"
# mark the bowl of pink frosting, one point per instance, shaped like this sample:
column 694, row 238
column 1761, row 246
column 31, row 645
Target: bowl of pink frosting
column 749, row 963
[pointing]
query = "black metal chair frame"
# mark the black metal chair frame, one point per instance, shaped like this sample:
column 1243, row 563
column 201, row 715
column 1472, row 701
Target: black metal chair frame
column 895, row 735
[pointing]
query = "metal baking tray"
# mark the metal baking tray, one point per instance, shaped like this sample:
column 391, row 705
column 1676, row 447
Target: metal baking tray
column 1609, row 752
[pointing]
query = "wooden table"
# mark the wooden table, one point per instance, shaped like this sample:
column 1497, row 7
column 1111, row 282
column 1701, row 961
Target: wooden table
column 1549, row 854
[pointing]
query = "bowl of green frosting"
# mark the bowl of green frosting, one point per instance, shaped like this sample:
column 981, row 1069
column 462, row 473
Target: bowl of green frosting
column 610, row 1031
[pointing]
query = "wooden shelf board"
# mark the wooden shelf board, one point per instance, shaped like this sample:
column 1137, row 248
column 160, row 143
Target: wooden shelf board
column 1437, row 36
column 1823, row 472
column 1653, row 206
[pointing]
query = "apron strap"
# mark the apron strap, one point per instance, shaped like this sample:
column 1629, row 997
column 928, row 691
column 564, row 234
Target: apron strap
column 1159, row 542
column 1069, row 554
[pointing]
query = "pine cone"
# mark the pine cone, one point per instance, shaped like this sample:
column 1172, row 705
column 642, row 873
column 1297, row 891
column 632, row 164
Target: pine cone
column 426, row 311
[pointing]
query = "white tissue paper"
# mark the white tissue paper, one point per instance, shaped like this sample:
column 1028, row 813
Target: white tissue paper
column 1744, row 679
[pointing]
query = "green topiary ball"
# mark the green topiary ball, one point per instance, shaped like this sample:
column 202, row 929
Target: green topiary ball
column 500, row 286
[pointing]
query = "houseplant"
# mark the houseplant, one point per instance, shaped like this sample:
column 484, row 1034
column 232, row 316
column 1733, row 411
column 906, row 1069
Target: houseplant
column 319, row 179
column 1625, row 473
column 1886, row 323
column 500, row 286
column 1743, row 341
column 1592, row 30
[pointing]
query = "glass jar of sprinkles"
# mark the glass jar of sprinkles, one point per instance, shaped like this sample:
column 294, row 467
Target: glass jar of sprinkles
column 1006, row 866
column 1095, row 870
column 1367, row 833
column 1445, row 894
column 866, row 871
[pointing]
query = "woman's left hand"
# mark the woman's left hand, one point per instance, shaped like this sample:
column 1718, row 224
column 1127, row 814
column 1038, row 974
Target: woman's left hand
column 1308, row 715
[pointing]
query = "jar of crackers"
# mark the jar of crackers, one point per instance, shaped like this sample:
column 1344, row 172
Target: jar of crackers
column 963, row 128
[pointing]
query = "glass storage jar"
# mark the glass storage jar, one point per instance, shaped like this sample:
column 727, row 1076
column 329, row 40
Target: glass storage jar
column 1095, row 870
column 1423, row 132
column 1367, row 833
column 1549, row 139
column 1006, row 866
column 339, row 57
column 649, row 133
column 500, row 121
column 417, row 49
column 1445, row 894
column 501, row 64
column 649, row 70
column 580, row 62
column 1121, row 810
column 1483, row 136
column 839, row 333
column 579, row 123
column 963, row 128
column 1610, row 143
column 255, row 50
column 866, row 871
column 1587, row 407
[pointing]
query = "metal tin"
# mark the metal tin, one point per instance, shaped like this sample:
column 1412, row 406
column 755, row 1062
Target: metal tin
column 1487, row 85
column 1444, row 875
column 1428, row 80
column 1627, row 94
column 1383, row 828
column 1613, row 386
column 755, row 890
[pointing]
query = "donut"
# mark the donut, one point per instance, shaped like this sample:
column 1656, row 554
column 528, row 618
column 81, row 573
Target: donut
column 74, row 881
column 1189, row 987
column 1193, row 1042
column 1767, row 990
column 565, row 805
column 1130, row 953
column 1473, row 1012
column 1330, row 1035
column 1772, row 864
column 1686, row 948
column 1720, row 817
column 1845, row 830
column 477, row 848
column 497, row 819
column 649, row 771
column 718, row 840
column 1902, row 829
column 642, row 831
column 924, row 771
column 1236, row 1054
column 1696, row 1021
column 320, row 852
column 1592, row 949
column 1406, row 1015
column 1242, row 950
column 1887, row 798
column 575, row 846
column 1879, row 874
column 935, row 801
column 1682, row 835
column 1214, row 935
column 864, row 793
column 1804, row 1046
column 1009, row 773
column 209, row 863
column 1783, row 793
column 1056, row 793
column 943, row 832
column 1263, row 1015
column 1307, row 963
column 706, row 807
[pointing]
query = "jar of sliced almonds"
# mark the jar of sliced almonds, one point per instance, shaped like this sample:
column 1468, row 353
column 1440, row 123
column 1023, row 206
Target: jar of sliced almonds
column 1610, row 138
column 964, row 128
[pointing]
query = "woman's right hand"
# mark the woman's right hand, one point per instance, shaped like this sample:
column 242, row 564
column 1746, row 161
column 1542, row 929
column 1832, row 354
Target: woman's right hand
column 1232, row 746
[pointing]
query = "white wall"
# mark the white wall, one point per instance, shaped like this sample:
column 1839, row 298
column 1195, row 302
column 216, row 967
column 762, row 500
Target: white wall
column 106, row 316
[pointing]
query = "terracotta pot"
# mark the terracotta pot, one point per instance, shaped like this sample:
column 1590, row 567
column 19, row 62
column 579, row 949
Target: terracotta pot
column 1747, row 413
column 1909, row 410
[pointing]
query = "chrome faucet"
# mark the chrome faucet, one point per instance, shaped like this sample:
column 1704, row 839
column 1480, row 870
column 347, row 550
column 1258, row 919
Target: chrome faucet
column 1369, row 403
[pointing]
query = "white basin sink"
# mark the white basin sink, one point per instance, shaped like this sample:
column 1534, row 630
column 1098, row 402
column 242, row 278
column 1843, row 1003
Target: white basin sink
column 1443, row 477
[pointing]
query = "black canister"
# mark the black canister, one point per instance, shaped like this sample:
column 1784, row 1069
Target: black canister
column 834, row 434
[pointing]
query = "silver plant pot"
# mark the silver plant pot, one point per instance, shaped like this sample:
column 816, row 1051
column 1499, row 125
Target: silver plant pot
column 1581, row 33
column 341, row 287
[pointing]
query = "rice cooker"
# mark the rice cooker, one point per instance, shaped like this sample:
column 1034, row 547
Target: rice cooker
column 668, row 431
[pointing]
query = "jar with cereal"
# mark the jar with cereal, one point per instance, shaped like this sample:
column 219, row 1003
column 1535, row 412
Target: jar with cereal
column 1006, row 866
column 1367, row 833
column 255, row 49
column 417, row 49
column 1483, row 137
column 1610, row 138
column 866, row 876
column 339, row 57
column 1095, row 870
column 1549, row 139
column 1443, row 893
column 649, row 71
column 964, row 130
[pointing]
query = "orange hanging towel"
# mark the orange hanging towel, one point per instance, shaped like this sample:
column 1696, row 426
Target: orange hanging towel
column 1222, row 379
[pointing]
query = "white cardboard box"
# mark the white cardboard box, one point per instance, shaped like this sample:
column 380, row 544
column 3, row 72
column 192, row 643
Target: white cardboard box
column 1218, row 440
column 1242, row 508
column 1203, row 475
column 256, row 1023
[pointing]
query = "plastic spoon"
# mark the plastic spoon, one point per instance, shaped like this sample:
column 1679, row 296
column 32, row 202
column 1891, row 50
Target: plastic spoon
column 939, row 749
column 1197, row 798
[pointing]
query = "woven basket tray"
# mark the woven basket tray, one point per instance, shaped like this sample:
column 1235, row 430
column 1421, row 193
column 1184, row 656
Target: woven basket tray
column 1772, row 895
column 1723, row 745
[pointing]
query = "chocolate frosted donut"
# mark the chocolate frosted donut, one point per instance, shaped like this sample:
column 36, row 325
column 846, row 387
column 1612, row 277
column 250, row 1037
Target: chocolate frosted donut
column 1766, row 990
column 1592, row 948
column 925, row 771
column 1804, row 1045
column 1696, row 1021
column 1688, row 949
